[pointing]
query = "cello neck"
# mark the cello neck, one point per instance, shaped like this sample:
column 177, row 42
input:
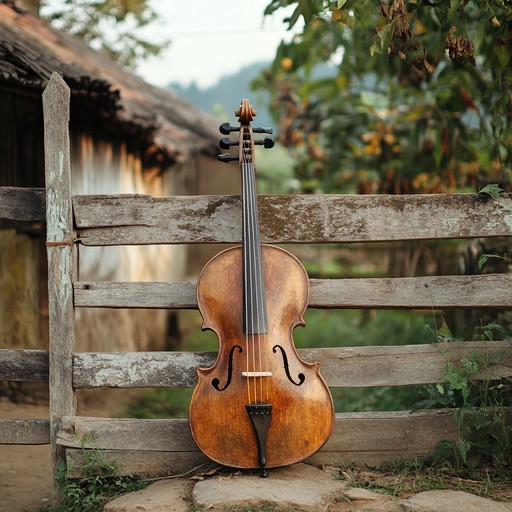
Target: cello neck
column 254, row 303
column 254, row 308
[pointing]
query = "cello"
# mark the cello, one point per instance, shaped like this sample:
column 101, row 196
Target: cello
column 259, row 405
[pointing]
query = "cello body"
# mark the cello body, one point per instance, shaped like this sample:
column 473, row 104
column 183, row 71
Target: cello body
column 259, row 405
column 302, row 416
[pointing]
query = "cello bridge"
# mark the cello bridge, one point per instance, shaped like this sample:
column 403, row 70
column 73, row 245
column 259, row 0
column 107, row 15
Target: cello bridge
column 256, row 374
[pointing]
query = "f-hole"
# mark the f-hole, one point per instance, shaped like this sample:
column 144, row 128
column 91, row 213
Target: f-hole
column 216, row 382
column 301, row 376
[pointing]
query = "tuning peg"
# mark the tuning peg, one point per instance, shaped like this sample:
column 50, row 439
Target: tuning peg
column 226, row 128
column 267, row 142
column 226, row 143
column 262, row 130
column 226, row 158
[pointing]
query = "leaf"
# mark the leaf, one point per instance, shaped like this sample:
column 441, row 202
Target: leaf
column 484, row 258
column 308, row 9
column 443, row 332
column 341, row 3
column 492, row 190
column 504, row 54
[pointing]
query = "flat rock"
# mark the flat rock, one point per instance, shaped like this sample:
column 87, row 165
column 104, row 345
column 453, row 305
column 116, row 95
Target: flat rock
column 358, row 494
column 162, row 496
column 300, row 487
column 451, row 501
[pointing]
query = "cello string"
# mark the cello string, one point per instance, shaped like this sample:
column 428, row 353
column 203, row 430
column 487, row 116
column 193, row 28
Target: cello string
column 246, row 274
column 247, row 280
column 249, row 243
column 258, row 276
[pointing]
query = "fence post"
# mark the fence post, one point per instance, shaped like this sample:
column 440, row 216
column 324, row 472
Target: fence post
column 59, row 247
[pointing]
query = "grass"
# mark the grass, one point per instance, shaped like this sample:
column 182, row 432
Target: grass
column 403, row 479
column 98, row 484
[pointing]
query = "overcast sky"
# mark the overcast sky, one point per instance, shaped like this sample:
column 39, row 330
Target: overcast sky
column 210, row 38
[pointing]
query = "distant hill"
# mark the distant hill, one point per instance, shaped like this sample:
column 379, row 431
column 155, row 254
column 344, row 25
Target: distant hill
column 221, row 99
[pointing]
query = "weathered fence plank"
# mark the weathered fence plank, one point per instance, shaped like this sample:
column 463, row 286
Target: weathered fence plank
column 432, row 292
column 137, row 462
column 23, row 431
column 341, row 367
column 137, row 445
column 24, row 365
column 145, row 463
column 22, row 204
column 326, row 218
column 59, row 246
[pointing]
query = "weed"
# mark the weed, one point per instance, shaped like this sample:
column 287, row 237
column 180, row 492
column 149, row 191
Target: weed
column 97, row 485
column 481, row 416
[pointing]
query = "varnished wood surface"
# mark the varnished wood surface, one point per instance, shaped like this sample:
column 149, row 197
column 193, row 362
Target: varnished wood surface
column 302, row 415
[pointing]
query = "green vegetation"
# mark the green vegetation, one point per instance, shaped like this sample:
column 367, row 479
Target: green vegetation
column 419, row 101
column 161, row 403
column 482, row 407
column 97, row 485
column 404, row 478
column 107, row 25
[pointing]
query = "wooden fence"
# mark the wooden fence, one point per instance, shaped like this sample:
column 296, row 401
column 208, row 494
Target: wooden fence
column 162, row 446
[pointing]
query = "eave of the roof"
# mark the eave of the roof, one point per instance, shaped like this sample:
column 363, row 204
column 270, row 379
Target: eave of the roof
column 30, row 50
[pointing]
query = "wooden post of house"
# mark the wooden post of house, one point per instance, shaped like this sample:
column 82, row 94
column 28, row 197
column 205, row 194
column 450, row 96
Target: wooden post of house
column 59, row 241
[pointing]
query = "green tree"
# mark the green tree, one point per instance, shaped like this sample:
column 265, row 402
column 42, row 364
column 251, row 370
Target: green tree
column 419, row 99
column 110, row 26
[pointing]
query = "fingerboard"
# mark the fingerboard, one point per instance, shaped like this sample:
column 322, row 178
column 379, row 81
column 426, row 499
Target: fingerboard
column 254, row 307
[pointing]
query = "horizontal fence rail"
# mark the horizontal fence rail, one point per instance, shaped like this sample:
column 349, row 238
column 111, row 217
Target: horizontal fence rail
column 432, row 292
column 22, row 204
column 395, row 365
column 24, row 431
column 325, row 218
column 160, row 446
column 341, row 367
column 24, row 365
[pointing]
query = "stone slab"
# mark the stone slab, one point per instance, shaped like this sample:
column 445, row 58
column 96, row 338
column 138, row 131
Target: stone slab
column 299, row 487
column 451, row 501
column 163, row 496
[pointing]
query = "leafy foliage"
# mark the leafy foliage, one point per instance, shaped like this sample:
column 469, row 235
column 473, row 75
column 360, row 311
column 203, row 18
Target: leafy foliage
column 482, row 407
column 419, row 102
column 98, row 484
column 107, row 25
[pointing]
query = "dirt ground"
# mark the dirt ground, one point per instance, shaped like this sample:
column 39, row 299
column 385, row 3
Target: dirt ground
column 25, row 474
column 25, row 481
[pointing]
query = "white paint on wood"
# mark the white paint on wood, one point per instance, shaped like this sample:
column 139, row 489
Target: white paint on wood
column 341, row 367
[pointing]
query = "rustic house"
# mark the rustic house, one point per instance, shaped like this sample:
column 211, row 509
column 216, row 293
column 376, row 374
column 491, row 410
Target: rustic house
column 126, row 137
